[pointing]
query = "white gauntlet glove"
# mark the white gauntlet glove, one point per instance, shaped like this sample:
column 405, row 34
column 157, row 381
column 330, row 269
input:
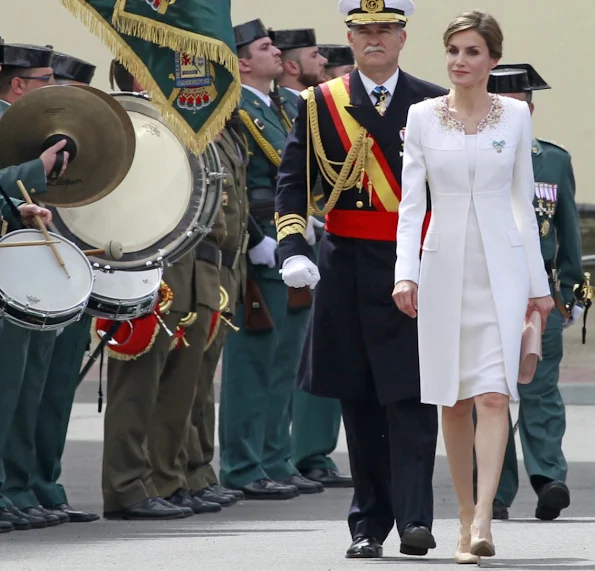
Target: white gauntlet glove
column 313, row 223
column 299, row 271
column 263, row 254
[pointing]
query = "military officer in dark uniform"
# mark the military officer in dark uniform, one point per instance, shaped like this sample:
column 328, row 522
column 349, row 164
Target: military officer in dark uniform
column 66, row 361
column 257, row 383
column 359, row 347
column 25, row 353
column 339, row 60
column 542, row 417
column 233, row 153
column 316, row 421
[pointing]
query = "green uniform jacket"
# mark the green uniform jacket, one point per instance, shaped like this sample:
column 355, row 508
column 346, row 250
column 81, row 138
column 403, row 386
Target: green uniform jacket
column 266, row 135
column 557, row 215
column 288, row 104
column 234, row 159
column 32, row 174
column 206, row 275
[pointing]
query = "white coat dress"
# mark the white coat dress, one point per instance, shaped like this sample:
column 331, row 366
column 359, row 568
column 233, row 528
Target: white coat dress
column 500, row 195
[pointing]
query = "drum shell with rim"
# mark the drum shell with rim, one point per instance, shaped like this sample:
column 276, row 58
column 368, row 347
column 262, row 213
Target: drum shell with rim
column 35, row 292
column 166, row 204
column 120, row 295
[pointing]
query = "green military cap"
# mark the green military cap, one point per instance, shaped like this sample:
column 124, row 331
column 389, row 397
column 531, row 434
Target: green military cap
column 293, row 39
column 515, row 78
column 249, row 32
column 24, row 55
column 71, row 68
column 336, row 54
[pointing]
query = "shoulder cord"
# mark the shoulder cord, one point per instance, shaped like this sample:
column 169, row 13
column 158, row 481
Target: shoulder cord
column 264, row 145
column 352, row 170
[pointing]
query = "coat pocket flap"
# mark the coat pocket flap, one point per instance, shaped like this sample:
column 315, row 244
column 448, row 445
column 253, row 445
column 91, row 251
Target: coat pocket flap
column 431, row 242
column 514, row 237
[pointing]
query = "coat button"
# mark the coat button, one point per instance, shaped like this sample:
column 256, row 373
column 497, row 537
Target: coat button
column 359, row 204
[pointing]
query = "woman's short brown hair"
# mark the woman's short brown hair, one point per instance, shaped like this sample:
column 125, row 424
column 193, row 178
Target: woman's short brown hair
column 484, row 24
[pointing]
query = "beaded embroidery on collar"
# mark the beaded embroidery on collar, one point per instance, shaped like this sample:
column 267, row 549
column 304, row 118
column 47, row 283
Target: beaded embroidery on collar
column 451, row 124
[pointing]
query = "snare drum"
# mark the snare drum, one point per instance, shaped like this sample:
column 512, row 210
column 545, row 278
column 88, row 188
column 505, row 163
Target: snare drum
column 35, row 292
column 163, row 207
column 124, row 295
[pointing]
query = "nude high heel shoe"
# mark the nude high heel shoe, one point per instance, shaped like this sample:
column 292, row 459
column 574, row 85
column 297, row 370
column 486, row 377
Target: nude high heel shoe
column 463, row 556
column 480, row 545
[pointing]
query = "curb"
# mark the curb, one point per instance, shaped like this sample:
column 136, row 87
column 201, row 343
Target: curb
column 578, row 393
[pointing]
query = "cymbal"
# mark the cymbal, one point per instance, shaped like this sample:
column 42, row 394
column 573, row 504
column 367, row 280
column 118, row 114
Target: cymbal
column 100, row 137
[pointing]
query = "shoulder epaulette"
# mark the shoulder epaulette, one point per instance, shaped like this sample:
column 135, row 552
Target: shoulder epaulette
column 254, row 127
column 553, row 144
column 306, row 93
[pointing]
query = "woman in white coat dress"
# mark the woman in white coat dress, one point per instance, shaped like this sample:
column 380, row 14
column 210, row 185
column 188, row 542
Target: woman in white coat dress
column 481, row 269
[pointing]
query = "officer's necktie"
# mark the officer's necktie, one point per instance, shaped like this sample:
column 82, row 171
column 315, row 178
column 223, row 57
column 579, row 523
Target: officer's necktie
column 381, row 93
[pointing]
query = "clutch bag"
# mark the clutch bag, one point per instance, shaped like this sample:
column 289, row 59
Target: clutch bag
column 530, row 348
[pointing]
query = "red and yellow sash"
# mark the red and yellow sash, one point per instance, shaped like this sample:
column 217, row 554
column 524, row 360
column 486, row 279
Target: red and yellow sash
column 386, row 191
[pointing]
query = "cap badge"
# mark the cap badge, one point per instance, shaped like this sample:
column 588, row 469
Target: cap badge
column 372, row 6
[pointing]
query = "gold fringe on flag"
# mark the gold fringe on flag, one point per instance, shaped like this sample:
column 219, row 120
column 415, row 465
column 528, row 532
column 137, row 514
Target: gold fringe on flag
column 210, row 49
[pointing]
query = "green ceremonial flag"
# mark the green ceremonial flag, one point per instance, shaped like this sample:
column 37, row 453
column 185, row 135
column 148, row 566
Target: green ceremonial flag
column 181, row 51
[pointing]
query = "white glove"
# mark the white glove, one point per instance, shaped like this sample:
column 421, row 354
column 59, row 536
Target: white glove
column 263, row 254
column 299, row 271
column 575, row 315
column 313, row 223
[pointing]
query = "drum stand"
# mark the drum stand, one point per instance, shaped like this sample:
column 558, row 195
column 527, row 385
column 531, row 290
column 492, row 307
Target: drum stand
column 107, row 337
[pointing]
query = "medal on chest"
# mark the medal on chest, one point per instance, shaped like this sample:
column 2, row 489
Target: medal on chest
column 547, row 199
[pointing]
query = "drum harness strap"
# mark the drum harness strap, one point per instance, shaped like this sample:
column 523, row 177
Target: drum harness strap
column 13, row 208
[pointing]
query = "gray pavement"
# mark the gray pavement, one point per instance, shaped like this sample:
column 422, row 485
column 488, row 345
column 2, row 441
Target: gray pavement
column 309, row 533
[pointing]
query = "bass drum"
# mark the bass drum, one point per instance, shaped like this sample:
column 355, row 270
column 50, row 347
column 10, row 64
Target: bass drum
column 162, row 208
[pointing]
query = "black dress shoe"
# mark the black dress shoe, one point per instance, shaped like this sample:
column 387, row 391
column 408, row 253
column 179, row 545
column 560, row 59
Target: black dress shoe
column 364, row 548
column 50, row 519
column 35, row 522
column 5, row 527
column 499, row 510
column 223, row 491
column 181, row 500
column 265, row 489
column 416, row 540
column 62, row 517
column 76, row 516
column 303, row 486
column 149, row 508
column 551, row 500
column 209, row 495
column 16, row 522
column 328, row 478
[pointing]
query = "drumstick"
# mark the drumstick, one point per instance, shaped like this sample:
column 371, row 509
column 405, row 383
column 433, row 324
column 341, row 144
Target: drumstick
column 35, row 243
column 42, row 228
column 97, row 252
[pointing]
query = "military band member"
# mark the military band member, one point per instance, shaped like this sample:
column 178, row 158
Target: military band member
column 233, row 153
column 66, row 361
column 391, row 436
column 25, row 353
column 542, row 416
column 150, row 398
column 339, row 60
column 256, row 391
column 315, row 421
column 26, row 68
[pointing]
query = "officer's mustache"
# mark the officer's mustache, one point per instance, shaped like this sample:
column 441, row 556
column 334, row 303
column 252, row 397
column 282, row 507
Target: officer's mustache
column 373, row 49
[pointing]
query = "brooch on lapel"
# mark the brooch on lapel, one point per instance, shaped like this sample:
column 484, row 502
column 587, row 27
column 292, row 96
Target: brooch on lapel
column 499, row 145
